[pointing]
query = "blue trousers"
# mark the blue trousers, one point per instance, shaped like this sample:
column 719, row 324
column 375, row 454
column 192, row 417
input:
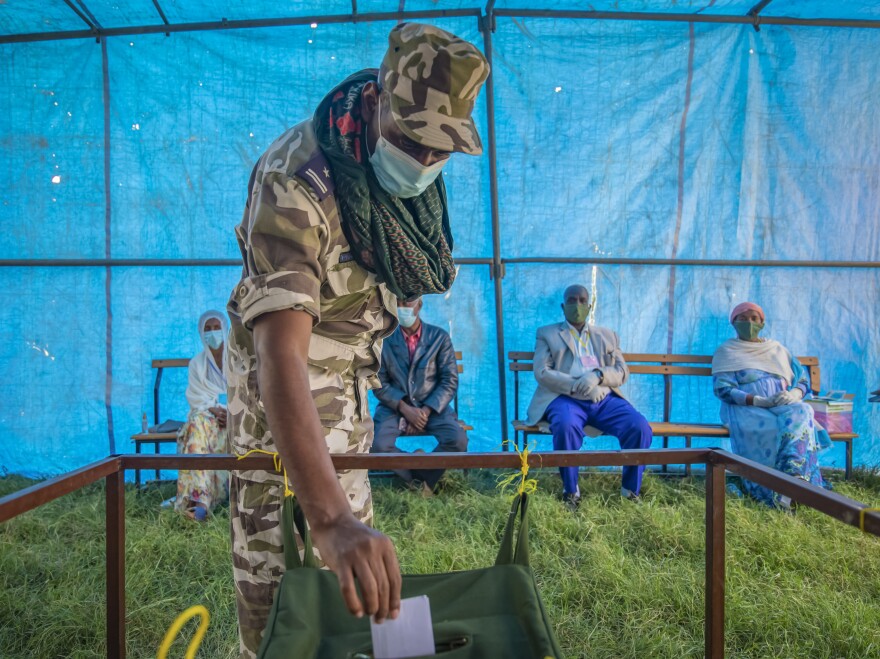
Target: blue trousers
column 612, row 416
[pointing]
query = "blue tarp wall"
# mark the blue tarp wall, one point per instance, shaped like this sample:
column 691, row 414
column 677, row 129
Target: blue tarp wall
column 614, row 139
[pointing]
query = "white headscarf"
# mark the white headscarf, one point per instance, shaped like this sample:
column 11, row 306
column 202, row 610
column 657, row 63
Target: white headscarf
column 769, row 356
column 206, row 378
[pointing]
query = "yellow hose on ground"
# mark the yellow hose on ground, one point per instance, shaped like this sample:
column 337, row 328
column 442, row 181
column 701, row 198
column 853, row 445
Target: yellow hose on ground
column 177, row 625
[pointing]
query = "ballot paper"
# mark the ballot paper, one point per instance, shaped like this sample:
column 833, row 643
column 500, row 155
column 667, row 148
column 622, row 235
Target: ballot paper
column 410, row 635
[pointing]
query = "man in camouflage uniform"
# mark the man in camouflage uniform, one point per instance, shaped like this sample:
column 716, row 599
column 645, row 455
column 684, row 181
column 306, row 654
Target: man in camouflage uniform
column 309, row 314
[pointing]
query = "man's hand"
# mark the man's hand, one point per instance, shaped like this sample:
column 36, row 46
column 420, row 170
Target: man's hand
column 424, row 415
column 354, row 551
column 598, row 394
column 585, row 384
column 220, row 414
column 416, row 417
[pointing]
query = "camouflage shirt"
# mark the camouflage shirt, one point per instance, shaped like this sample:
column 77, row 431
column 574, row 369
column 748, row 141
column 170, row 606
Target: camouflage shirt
column 296, row 257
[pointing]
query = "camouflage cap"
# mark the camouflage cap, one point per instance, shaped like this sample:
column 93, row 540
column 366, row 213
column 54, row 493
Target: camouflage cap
column 434, row 78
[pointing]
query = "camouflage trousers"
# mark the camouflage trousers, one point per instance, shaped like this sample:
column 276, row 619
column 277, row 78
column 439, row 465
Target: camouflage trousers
column 257, row 542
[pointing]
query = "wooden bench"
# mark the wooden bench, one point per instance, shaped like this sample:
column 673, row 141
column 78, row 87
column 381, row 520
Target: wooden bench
column 157, row 438
column 667, row 366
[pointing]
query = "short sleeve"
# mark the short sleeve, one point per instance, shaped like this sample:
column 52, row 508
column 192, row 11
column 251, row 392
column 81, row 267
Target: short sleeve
column 284, row 237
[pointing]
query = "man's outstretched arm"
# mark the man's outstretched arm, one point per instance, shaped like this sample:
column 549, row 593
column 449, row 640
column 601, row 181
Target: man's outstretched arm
column 351, row 549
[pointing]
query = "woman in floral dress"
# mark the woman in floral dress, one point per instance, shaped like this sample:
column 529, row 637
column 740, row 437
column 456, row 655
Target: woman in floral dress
column 761, row 388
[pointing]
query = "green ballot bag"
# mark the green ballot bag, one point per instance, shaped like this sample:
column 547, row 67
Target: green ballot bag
column 479, row 614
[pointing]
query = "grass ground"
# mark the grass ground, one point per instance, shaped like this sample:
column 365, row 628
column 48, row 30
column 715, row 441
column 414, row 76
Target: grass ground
column 618, row 579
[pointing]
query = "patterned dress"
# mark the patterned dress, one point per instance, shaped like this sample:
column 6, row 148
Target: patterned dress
column 783, row 437
column 201, row 434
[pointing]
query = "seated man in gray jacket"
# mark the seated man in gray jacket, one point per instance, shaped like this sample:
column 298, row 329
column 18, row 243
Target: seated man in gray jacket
column 419, row 376
column 579, row 369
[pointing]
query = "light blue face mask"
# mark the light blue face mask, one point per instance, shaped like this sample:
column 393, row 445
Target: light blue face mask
column 406, row 316
column 214, row 339
column 399, row 173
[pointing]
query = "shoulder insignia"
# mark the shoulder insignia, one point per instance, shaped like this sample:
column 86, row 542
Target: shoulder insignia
column 316, row 173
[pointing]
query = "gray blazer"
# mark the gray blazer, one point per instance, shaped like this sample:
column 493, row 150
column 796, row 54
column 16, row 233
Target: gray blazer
column 430, row 380
column 555, row 352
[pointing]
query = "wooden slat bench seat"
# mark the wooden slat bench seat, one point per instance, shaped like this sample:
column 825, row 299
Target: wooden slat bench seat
column 156, row 439
column 667, row 366
column 664, row 429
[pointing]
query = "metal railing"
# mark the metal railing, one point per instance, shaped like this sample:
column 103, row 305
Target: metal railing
column 112, row 470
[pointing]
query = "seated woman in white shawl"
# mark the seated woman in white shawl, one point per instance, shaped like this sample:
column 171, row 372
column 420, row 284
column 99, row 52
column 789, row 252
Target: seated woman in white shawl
column 205, row 429
column 761, row 387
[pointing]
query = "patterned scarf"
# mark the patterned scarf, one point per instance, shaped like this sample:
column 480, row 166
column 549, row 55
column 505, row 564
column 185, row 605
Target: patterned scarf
column 407, row 242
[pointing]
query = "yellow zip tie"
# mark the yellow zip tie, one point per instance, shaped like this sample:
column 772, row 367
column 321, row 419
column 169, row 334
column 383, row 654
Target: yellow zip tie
column 862, row 516
column 526, row 485
column 177, row 625
column 276, row 462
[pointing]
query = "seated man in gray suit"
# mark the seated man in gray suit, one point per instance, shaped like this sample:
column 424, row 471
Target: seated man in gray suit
column 419, row 376
column 579, row 369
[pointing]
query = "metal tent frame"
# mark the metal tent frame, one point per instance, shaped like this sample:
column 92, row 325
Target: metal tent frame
column 112, row 471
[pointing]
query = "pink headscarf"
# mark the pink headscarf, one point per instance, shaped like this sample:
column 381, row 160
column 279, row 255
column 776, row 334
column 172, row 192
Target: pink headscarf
column 746, row 306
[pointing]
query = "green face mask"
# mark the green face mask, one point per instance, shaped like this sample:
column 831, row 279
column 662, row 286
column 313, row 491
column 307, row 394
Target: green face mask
column 576, row 313
column 747, row 330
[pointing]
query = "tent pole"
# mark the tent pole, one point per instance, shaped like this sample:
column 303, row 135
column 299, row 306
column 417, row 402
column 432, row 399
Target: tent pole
column 437, row 13
column 758, row 8
column 161, row 15
column 83, row 16
column 682, row 17
column 160, row 263
column 108, row 271
column 487, row 24
column 723, row 263
column 588, row 260
column 244, row 24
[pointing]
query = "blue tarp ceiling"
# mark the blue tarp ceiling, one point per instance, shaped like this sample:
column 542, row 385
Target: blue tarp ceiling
column 614, row 139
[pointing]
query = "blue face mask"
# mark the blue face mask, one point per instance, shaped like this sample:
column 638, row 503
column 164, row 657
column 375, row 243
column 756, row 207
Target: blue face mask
column 406, row 316
column 214, row 339
column 398, row 173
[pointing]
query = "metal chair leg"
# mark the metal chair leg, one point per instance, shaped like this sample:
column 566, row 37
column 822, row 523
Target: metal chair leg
column 687, row 467
column 137, row 472
column 848, row 471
